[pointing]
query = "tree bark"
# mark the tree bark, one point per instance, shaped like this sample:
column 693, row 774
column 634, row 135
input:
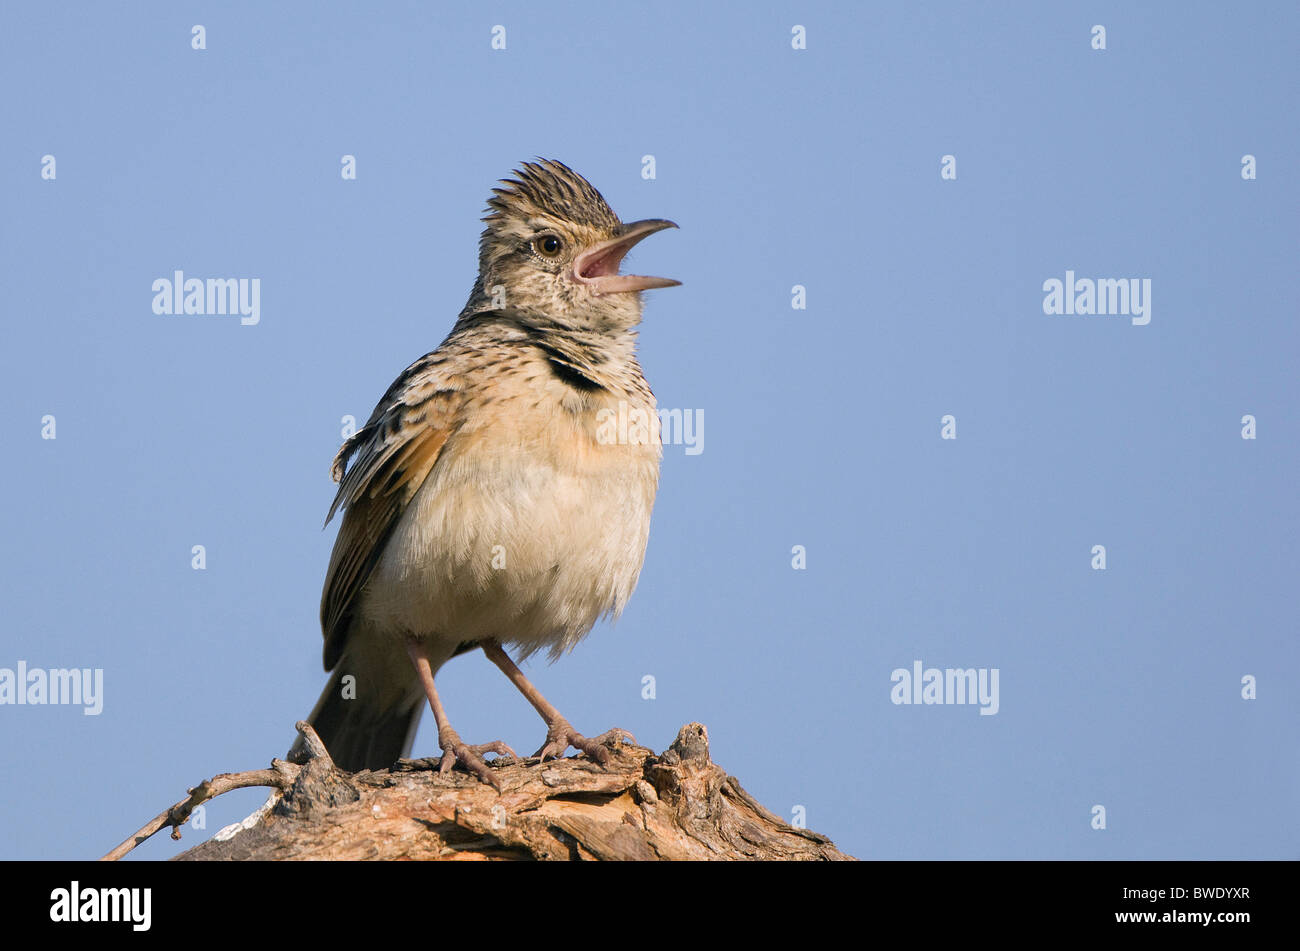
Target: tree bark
column 640, row 806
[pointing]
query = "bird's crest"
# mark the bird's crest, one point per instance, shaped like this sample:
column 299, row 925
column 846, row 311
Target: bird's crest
column 550, row 188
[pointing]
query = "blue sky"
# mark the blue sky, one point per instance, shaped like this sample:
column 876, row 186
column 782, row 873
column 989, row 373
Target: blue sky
column 819, row 167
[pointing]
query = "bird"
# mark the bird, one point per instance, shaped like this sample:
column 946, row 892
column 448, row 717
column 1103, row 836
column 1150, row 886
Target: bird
column 488, row 501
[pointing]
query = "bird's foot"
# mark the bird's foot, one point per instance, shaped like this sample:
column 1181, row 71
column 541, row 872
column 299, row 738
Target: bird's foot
column 471, row 757
column 560, row 736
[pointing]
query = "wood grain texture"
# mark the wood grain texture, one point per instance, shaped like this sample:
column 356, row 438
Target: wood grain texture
column 642, row 807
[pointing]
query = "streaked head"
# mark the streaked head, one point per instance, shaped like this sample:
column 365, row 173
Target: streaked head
column 553, row 245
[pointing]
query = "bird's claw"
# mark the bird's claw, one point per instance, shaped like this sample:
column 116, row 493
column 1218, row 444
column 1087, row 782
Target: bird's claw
column 560, row 736
column 471, row 757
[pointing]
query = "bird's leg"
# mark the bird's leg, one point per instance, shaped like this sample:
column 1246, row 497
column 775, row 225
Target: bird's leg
column 560, row 735
column 452, row 747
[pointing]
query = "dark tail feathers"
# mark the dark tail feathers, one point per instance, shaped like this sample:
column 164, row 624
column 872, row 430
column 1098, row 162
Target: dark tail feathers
column 359, row 735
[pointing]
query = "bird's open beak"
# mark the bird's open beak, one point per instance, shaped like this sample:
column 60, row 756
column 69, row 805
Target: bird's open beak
column 597, row 267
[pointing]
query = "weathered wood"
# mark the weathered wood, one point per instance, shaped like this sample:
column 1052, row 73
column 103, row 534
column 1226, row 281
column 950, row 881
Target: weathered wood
column 679, row 805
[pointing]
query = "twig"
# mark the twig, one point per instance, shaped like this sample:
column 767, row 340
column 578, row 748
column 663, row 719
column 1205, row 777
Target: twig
column 315, row 745
column 280, row 776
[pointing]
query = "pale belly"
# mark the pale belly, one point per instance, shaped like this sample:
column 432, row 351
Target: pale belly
column 526, row 541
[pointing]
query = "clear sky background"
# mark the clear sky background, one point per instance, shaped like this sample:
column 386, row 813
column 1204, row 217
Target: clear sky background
column 819, row 167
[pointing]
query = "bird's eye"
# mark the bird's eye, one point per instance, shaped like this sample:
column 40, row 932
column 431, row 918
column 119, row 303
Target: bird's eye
column 548, row 245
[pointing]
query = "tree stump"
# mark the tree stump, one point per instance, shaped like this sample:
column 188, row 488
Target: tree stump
column 640, row 806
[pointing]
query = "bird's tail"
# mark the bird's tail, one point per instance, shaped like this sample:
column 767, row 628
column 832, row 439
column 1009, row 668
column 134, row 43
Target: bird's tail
column 359, row 733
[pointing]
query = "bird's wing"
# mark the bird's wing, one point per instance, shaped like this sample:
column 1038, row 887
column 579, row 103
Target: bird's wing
column 395, row 451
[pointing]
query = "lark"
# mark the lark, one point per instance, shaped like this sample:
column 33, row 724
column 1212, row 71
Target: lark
column 484, row 505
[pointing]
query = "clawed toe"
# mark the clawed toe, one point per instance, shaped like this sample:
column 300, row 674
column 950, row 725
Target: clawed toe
column 496, row 746
column 471, row 757
column 616, row 735
column 561, row 736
